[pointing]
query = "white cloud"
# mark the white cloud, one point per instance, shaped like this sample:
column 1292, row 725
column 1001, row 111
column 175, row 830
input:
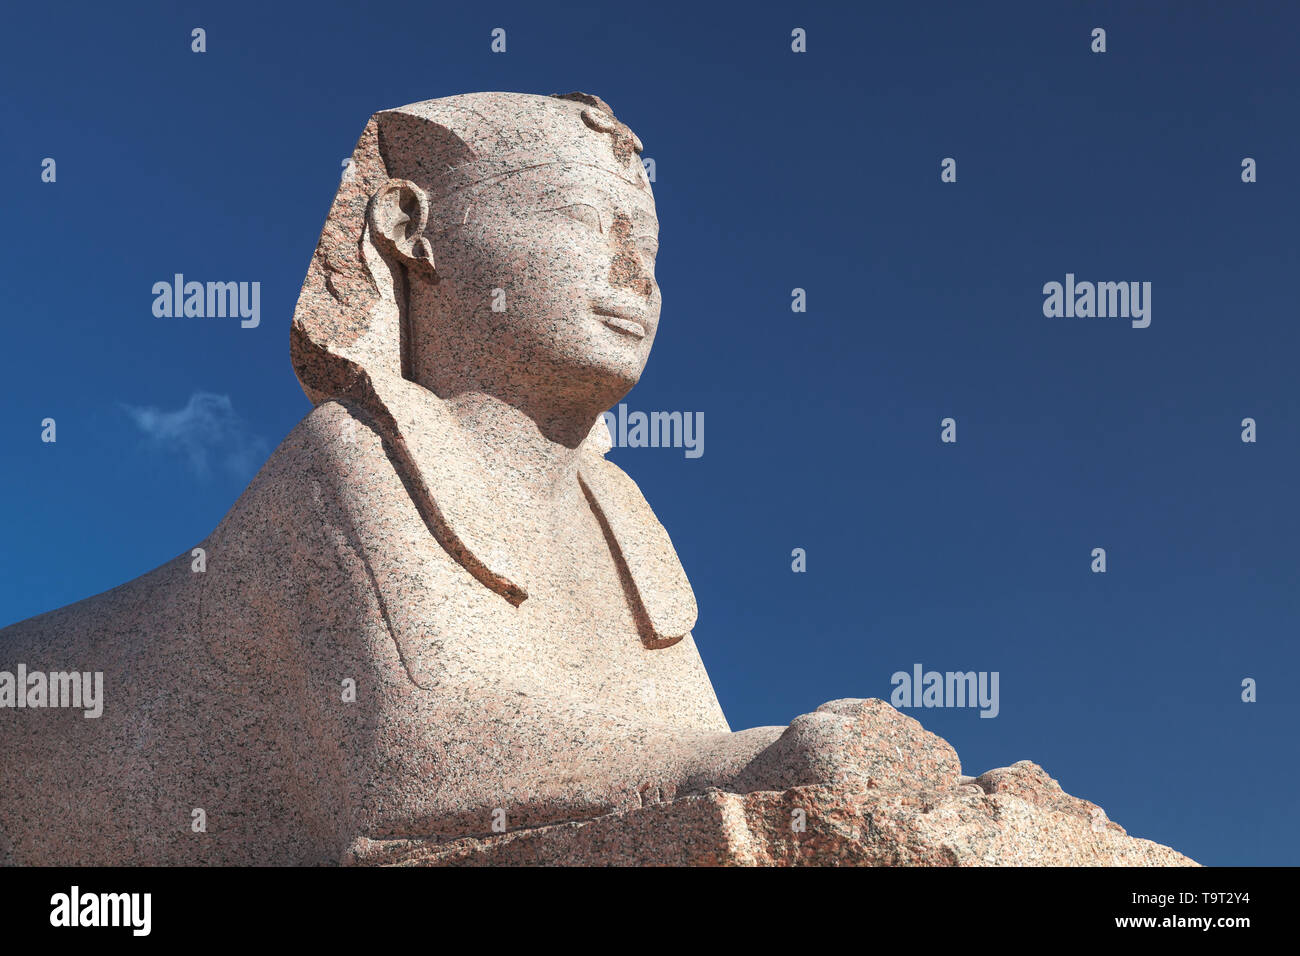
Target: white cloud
column 204, row 432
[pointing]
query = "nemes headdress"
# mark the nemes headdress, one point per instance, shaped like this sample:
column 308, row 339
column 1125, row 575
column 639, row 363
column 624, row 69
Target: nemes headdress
column 347, row 322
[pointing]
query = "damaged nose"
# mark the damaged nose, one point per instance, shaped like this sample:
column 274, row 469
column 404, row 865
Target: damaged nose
column 627, row 270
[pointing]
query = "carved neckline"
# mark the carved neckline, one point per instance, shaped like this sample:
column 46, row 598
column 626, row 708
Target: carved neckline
column 472, row 520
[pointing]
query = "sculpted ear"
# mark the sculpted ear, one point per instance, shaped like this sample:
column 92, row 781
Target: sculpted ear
column 398, row 214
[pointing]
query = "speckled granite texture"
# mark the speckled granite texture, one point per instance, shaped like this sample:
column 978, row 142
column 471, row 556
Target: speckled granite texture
column 443, row 533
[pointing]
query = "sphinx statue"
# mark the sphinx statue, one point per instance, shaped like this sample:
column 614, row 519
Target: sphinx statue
column 438, row 616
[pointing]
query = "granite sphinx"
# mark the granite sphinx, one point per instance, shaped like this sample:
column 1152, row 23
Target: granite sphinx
column 439, row 626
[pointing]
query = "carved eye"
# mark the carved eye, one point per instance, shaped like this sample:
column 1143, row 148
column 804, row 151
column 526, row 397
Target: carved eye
column 587, row 215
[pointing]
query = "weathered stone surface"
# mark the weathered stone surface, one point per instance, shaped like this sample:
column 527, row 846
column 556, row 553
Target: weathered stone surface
column 845, row 828
column 908, row 810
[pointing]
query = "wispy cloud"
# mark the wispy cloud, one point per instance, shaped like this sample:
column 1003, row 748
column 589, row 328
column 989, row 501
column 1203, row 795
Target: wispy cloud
column 206, row 433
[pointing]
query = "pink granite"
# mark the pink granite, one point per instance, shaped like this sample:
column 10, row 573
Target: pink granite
column 444, row 532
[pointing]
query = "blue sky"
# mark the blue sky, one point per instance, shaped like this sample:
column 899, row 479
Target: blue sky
column 774, row 170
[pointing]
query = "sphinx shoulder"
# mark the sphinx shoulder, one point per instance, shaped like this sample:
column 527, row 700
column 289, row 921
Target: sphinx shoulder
column 319, row 473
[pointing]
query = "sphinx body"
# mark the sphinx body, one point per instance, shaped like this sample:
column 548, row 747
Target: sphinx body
column 437, row 611
column 225, row 690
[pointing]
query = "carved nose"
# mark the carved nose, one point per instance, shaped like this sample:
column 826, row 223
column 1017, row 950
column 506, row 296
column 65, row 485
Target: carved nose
column 627, row 271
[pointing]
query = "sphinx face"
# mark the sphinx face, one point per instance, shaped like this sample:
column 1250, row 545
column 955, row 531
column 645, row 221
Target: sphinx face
column 545, row 286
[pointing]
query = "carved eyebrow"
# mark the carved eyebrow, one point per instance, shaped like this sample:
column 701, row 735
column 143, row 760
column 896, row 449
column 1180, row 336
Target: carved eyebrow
column 556, row 203
column 553, row 198
column 590, row 194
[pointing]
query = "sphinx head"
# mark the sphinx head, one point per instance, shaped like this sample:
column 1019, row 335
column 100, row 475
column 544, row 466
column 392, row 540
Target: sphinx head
column 493, row 242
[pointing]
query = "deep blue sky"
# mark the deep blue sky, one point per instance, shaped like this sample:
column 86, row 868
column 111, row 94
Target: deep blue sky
column 774, row 170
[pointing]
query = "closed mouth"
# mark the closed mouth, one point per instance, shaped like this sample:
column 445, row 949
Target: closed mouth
column 619, row 321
